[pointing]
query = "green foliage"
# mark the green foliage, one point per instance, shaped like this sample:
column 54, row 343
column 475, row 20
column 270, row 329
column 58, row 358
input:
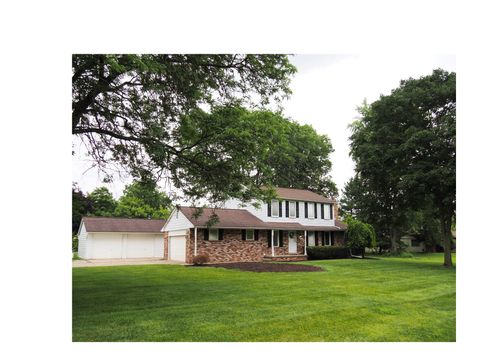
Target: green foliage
column 142, row 112
column 143, row 200
column 327, row 252
column 74, row 242
column 80, row 207
column 360, row 235
column 102, row 202
column 404, row 147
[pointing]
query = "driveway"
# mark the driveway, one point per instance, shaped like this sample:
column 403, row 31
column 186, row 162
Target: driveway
column 118, row 262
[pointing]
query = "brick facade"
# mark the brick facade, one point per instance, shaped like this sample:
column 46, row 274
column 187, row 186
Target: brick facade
column 233, row 249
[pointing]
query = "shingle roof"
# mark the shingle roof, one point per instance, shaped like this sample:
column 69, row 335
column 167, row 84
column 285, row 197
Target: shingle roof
column 228, row 218
column 105, row 224
column 242, row 219
column 303, row 195
column 340, row 224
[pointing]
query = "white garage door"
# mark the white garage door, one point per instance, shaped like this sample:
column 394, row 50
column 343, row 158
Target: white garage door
column 143, row 245
column 121, row 246
column 177, row 248
column 106, row 246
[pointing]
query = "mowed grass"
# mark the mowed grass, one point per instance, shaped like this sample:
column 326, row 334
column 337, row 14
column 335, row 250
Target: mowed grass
column 389, row 299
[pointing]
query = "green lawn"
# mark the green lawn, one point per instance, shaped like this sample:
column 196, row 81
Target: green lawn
column 390, row 299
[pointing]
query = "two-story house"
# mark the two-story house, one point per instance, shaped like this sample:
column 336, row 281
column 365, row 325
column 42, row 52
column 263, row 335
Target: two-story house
column 274, row 231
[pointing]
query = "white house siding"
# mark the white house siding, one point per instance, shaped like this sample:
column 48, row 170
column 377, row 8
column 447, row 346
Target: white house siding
column 82, row 241
column 262, row 214
column 177, row 221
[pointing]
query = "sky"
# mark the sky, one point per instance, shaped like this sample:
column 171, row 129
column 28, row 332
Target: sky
column 326, row 92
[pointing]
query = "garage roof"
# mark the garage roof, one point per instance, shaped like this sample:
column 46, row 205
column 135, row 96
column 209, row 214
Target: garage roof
column 104, row 224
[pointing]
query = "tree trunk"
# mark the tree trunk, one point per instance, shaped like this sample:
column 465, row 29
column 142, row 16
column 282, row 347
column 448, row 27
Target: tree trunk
column 394, row 237
column 446, row 222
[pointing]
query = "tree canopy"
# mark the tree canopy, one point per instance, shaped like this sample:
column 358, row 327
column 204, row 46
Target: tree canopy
column 143, row 200
column 131, row 110
column 102, row 202
column 405, row 152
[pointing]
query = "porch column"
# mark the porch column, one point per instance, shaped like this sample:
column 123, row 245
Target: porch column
column 195, row 241
column 305, row 240
column 273, row 246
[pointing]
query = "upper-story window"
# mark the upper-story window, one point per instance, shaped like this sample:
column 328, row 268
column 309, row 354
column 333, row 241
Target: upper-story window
column 311, row 210
column 326, row 211
column 292, row 209
column 275, row 208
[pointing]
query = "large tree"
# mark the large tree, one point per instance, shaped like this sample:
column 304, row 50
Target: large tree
column 81, row 206
column 404, row 148
column 255, row 151
column 127, row 109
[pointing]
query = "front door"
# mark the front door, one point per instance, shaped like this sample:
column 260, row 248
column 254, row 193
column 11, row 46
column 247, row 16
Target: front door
column 292, row 242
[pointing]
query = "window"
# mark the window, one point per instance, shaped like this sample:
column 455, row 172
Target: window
column 275, row 207
column 250, row 234
column 213, row 234
column 311, row 210
column 276, row 239
column 311, row 238
column 415, row 243
column 326, row 211
column 292, row 209
column 327, row 238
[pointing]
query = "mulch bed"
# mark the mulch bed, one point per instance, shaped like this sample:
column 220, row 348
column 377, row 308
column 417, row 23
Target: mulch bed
column 267, row 267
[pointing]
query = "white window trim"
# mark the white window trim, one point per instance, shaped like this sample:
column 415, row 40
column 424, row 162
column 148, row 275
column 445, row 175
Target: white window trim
column 329, row 238
column 292, row 205
column 246, row 234
column 326, row 211
column 211, row 232
column 275, row 204
column 276, row 238
column 311, row 210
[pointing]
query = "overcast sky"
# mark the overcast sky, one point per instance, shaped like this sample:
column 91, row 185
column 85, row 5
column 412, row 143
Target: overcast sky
column 326, row 91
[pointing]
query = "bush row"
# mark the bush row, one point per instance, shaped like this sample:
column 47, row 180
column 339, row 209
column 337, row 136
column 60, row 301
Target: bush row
column 327, row 252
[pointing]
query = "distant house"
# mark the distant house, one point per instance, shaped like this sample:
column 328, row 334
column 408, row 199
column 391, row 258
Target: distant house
column 413, row 244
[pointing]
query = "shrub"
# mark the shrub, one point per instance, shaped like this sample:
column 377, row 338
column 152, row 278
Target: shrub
column 200, row 259
column 74, row 243
column 327, row 252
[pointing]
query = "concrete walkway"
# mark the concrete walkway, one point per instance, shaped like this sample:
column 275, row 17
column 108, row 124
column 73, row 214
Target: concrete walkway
column 119, row 262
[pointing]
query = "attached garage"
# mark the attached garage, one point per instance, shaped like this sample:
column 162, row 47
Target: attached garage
column 177, row 246
column 114, row 238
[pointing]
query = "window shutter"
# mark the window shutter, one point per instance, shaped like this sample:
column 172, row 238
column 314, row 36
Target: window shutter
column 287, row 208
column 316, row 238
column 298, row 207
column 269, row 238
column 205, row 234
column 244, row 234
column 255, row 235
column 321, row 211
column 306, row 210
column 332, row 237
column 269, row 209
column 220, row 234
column 331, row 211
column 315, row 207
column 279, row 209
column 280, row 238
column 323, row 238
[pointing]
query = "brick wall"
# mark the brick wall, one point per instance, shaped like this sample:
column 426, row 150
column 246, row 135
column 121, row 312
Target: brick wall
column 233, row 249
